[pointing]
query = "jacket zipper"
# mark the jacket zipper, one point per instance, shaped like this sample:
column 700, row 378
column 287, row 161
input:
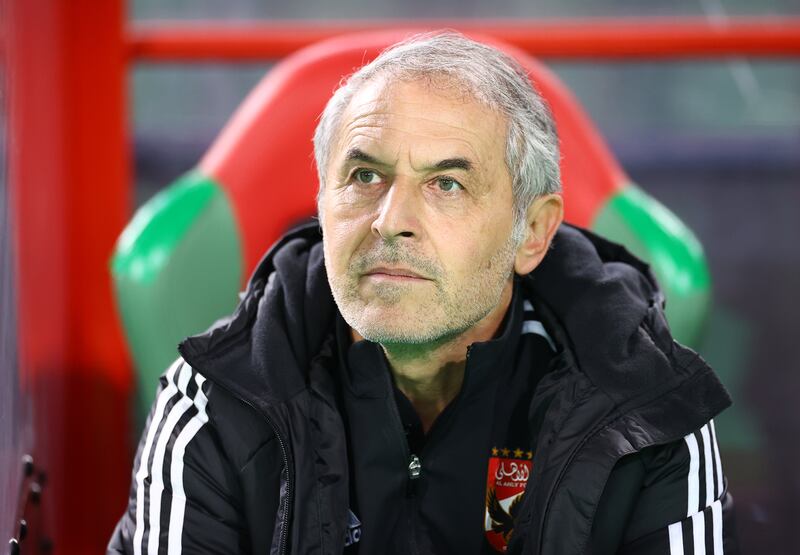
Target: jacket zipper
column 414, row 460
column 288, row 497
column 413, row 464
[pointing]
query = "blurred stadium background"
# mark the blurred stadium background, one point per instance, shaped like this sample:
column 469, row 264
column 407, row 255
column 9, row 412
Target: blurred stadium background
column 716, row 139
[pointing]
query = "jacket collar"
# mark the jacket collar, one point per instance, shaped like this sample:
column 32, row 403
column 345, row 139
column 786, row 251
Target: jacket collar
column 263, row 351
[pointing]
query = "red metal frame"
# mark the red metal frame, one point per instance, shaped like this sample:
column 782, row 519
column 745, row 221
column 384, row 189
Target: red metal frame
column 568, row 39
column 70, row 182
column 70, row 185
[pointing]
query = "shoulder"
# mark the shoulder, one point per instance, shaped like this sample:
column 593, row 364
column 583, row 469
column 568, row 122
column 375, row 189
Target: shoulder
column 668, row 498
column 194, row 475
column 194, row 409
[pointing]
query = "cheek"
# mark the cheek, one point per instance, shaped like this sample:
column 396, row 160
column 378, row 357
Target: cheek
column 474, row 251
column 342, row 237
column 337, row 251
column 460, row 256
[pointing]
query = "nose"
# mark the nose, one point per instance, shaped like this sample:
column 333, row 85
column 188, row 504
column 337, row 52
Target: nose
column 398, row 215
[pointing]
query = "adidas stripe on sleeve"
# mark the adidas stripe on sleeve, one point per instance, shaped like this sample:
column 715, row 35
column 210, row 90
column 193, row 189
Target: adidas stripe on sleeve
column 701, row 532
column 684, row 508
column 174, row 504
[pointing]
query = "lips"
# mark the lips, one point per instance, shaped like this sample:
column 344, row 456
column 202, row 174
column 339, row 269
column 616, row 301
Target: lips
column 398, row 273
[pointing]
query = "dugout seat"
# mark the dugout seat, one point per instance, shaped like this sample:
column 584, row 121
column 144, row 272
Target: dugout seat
column 186, row 253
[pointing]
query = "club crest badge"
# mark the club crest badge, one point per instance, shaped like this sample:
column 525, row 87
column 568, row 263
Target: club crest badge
column 508, row 475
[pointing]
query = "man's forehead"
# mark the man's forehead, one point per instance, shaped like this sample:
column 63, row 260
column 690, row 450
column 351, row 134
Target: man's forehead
column 381, row 107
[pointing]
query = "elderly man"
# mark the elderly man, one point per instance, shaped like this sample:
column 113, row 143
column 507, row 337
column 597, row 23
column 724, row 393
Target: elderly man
column 445, row 368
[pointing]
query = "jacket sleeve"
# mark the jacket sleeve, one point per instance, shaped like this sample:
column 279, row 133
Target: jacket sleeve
column 667, row 500
column 186, row 493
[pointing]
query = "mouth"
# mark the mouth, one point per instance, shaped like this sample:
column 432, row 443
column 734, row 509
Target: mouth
column 385, row 273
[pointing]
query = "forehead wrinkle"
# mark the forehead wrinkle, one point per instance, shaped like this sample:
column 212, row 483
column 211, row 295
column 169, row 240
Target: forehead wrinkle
column 367, row 137
column 378, row 95
column 393, row 122
column 428, row 163
column 371, row 145
column 373, row 114
column 380, row 108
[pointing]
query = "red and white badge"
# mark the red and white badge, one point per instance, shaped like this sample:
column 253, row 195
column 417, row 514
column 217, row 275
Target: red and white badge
column 508, row 475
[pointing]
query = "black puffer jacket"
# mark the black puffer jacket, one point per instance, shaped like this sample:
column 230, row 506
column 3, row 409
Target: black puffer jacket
column 245, row 450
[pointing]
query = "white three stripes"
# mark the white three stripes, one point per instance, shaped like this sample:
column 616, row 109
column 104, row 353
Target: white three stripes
column 176, row 468
column 157, row 473
column 712, row 469
column 176, row 473
column 698, row 533
column 141, row 474
column 694, row 510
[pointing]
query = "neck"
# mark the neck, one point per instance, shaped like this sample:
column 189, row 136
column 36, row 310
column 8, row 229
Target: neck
column 431, row 374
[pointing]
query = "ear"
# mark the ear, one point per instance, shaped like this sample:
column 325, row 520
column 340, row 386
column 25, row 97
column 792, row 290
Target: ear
column 544, row 216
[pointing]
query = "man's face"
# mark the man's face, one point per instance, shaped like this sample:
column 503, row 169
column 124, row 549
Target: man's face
column 417, row 213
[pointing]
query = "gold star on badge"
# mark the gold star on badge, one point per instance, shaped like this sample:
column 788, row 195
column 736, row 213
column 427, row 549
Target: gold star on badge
column 505, row 451
column 530, row 454
column 518, row 453
column 494, row 451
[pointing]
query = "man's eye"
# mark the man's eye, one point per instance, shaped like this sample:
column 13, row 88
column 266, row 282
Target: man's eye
column 448, row 184
column 367, row 177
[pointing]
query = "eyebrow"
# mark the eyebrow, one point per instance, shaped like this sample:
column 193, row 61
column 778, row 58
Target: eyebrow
column 453, row 164
column 356, row 154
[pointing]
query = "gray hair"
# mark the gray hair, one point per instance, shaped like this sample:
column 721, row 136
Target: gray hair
column 492, row 78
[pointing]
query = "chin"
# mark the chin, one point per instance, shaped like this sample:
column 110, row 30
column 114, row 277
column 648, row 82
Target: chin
column 394, row 336
column 393, row 325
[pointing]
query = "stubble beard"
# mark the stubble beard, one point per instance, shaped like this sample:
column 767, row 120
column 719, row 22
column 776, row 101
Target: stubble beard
column 449, row 311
